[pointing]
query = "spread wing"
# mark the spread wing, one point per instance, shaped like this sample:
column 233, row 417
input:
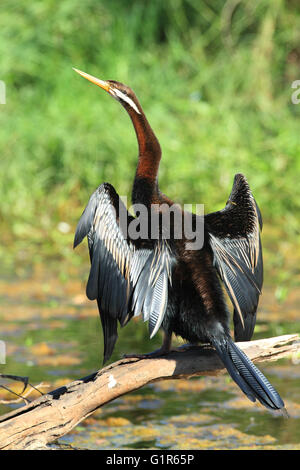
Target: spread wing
column 234, row 236
column 127, row 277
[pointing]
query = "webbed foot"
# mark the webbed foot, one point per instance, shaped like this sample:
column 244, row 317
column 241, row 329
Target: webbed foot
column 157, row 353
column 186, row 347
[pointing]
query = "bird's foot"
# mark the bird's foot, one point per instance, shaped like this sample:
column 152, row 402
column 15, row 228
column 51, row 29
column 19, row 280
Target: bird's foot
column 186, row 347
column 157, row 353
column 162, row 351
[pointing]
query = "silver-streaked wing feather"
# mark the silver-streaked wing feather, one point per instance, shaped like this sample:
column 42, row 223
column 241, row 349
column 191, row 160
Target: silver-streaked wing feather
column 127, row 277
column 234, row 236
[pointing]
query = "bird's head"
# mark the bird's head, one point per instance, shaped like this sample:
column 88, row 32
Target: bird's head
column 117, row 90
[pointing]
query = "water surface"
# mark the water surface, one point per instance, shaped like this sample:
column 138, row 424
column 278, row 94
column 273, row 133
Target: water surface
column 53, row 335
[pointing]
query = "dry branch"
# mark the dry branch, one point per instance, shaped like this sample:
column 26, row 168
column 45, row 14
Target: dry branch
column 53, row 415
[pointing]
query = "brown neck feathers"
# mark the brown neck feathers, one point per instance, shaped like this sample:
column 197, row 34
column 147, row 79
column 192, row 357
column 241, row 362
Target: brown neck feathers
column 149, row 148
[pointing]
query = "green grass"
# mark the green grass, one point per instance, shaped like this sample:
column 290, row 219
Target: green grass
column 214, row 80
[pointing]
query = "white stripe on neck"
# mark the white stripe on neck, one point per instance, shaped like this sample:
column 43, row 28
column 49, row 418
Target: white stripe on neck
column 126, row 98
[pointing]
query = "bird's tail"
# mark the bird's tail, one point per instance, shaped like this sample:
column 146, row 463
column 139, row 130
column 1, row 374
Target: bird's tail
column 248, row 377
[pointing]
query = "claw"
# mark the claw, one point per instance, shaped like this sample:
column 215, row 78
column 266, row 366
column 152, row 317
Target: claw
column 157, row 353
column 186, row 347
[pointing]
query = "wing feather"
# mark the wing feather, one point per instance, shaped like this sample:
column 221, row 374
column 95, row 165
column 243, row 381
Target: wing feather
column 234, row 236
column 158, row 303
column 126, row 277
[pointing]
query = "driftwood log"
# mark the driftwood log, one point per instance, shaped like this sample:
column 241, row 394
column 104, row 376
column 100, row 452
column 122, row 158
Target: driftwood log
column 53, row 415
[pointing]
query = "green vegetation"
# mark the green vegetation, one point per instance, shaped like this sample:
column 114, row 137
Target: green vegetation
column 214, row 79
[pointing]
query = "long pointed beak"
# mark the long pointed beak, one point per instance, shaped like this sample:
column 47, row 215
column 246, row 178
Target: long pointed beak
column 96, row 81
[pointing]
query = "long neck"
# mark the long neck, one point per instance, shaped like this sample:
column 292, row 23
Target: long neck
column 146, row 179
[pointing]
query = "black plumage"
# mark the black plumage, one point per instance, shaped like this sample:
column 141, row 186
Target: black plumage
column 171, row 286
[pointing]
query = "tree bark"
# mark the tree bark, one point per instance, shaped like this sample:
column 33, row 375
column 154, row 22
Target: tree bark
column 53, row 415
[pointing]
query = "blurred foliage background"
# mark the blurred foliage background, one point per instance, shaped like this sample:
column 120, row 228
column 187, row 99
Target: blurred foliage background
column 214, row 79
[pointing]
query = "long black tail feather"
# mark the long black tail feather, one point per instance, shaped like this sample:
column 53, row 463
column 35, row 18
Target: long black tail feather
column 110, row 334
column 247, row 376
column 243, row 332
